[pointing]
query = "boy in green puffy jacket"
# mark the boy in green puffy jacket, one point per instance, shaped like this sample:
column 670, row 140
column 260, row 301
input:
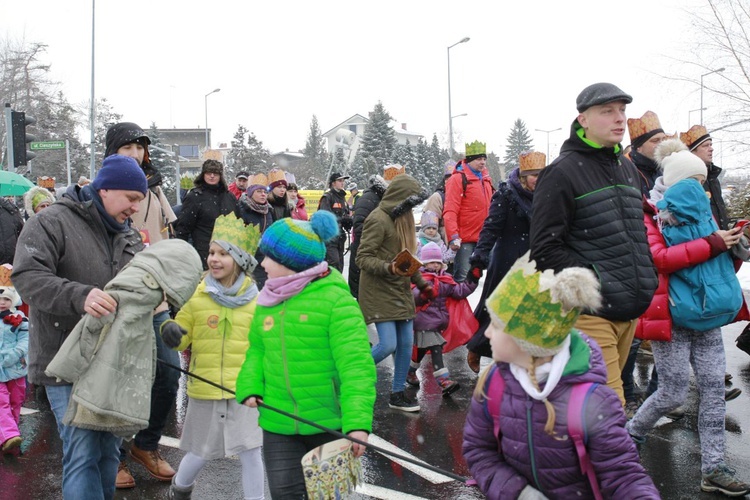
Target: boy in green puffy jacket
column 309, row 353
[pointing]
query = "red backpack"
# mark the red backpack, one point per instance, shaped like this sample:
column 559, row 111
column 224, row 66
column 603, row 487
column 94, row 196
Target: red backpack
column 494, row 388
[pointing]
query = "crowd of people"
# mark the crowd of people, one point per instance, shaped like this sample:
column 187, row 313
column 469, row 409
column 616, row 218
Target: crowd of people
column 585, row 258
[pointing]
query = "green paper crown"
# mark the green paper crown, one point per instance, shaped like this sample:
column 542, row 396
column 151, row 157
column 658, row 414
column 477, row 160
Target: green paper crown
column 232, row 230
column 526, row 310
column 186, row 181
column 476, row 148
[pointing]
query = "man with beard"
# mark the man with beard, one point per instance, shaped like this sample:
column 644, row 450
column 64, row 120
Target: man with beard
column 334, row 200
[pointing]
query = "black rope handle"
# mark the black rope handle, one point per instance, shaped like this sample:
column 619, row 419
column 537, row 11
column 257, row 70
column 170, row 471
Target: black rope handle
column 326, row 429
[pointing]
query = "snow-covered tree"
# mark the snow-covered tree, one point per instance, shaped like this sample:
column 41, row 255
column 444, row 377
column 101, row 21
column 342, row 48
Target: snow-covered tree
column 378, row 144
column 316, row 154
column 163, row 162
column 519, row 141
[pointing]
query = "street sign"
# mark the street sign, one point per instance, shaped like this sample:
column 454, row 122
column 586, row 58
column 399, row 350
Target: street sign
column 42, row 145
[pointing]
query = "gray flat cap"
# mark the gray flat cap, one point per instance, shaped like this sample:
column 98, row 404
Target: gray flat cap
column 600, row 93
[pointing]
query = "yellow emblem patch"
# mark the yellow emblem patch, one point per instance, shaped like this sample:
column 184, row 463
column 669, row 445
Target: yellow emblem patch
column 268, row 323
column 213, row 321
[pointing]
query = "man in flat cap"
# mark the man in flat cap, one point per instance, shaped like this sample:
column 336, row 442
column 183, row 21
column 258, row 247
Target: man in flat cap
column 587, row 211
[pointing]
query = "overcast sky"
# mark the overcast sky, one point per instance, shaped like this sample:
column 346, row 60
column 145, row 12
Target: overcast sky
column 279, row 62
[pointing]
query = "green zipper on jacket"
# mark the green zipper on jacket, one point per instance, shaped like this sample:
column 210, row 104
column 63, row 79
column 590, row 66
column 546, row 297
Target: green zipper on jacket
column 223, row 341
column 286, row 365
column 529, row 433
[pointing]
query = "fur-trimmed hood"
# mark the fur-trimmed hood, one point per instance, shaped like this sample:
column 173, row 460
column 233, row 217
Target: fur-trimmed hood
column 377, row 184
column 403, row 194
column 37, row 193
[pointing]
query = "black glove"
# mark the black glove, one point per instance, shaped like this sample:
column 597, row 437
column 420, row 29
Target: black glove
column 474, row 274
column 347, row 222
column 171, row 334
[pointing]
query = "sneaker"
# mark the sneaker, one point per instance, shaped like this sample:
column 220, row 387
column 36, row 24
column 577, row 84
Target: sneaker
column 473, row 360
column 727, row 378
column 180, row 492
column 631, row 407
column 124, row 478
column 731, row 394
column 743, row 341
column 676, row 414
column 399, row 401
column 154, row 464
column 722, row 479
column 12, row 443
column 411, row 378
column 448, row 386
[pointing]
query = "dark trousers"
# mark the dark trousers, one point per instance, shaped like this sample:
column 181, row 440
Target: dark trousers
column 163, row 392
column 335, row 252
column 282, row 456
column 628, row 384
column 354, row 270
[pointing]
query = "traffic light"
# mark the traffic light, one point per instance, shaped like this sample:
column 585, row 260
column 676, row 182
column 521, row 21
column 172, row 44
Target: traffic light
column 19, row 122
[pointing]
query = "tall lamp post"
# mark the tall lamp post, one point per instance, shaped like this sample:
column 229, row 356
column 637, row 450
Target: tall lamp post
column 548, row 132
column 706, row 74
column 92, row 104
column 206, row 100
column 450, row 112
column 691, row 112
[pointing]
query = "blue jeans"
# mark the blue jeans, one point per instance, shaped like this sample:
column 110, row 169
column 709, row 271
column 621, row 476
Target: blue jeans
column 461, row 262
column 397, row 338
column 283, row 459
column 163, row 392
column 90, row 458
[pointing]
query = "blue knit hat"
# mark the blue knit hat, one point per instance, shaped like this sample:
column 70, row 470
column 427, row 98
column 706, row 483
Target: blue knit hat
column 299, row 245
column 121, row 172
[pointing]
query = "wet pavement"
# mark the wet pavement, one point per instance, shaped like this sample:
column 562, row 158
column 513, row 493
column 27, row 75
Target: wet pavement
column 671, row 455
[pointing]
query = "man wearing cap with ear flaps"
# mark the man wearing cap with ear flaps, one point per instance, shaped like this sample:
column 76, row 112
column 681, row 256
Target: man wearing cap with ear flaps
column 645, row 134
column 334, row 200
column 67, row 253
column 588, row 212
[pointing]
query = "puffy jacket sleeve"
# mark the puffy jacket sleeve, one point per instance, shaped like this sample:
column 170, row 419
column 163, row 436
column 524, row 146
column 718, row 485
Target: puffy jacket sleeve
column 680, row 256
column 251, row 381
column 356, row 369
column 365, row 206
column 495, row 478
column 612, row 451
column 185, row 319
column 453, row 194
column 553, row 208
column 492, row 229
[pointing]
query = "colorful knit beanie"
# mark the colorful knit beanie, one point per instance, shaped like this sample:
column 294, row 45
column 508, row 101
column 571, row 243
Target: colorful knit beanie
column 299, row 245
column 429, row 219
column 431, row 253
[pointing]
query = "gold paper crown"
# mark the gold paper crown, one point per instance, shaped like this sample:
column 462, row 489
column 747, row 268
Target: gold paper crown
column 476, row 148
column 391, row 171
column 694, row 137
column 46, row 182
column 233, row 230
column 531, row 163
column 186, row 181
column 5, row 272
column 643, row 125
column 259, row 179
column 527, row 312
column 276, row 175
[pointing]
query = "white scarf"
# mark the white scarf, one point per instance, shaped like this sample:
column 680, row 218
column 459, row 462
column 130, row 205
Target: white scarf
column 551, row 372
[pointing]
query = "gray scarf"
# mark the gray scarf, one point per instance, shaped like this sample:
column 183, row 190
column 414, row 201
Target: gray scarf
column 228, row 297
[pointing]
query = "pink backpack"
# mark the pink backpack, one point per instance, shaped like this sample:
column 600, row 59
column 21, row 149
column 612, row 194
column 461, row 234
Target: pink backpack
column 494, row 388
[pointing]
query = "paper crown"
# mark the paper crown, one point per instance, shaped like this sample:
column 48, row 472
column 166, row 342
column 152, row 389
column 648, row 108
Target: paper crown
column 290, row 178
column 523, row 303
column 391, row 171
column 694, row 137
column 476, row 148
column 46, row 182
column 643, row 125
column 5, row 272
column 233, row 230
column 276, row 177
column 531, row 163
column 186, row 181
column 259, row 179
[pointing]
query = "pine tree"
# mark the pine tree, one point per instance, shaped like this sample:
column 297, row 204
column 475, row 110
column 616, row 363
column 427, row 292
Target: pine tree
column 495, row 168
column 439, row 157
column 519, row 142
column 356, row 169
column 258, row 156
column 162, row 161
column 378, row 144
column 426, row 163
column 316, row 155
column 238, row 157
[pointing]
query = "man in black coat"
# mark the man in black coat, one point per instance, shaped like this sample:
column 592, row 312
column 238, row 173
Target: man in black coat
column 588, row 212
column 366, row 203
column 11, row 224
column 334, row 201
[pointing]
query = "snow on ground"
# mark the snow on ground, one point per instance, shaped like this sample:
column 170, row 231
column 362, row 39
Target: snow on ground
column 744, row 276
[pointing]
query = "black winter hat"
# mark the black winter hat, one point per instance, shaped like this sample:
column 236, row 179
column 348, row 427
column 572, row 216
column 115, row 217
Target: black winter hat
column 600, row 93
column 124, row 133
column 336, row 176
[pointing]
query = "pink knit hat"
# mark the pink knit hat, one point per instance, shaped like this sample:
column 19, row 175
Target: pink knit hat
column 431, row 253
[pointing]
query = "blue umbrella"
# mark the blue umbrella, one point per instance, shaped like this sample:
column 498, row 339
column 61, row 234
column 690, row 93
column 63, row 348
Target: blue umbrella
column 13, row 184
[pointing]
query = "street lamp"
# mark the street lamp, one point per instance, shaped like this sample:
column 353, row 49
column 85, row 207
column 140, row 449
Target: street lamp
column 548, row 132
column 706, row 74
column 691, row 112
column 206, row 99
column 450, row 112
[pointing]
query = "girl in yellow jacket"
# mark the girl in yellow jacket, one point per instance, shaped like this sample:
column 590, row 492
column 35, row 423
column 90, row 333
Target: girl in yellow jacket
column 215, row 322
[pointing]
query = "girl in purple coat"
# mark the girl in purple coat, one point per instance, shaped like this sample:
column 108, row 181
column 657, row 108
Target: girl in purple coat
column 432, row 316
column 540, row 358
